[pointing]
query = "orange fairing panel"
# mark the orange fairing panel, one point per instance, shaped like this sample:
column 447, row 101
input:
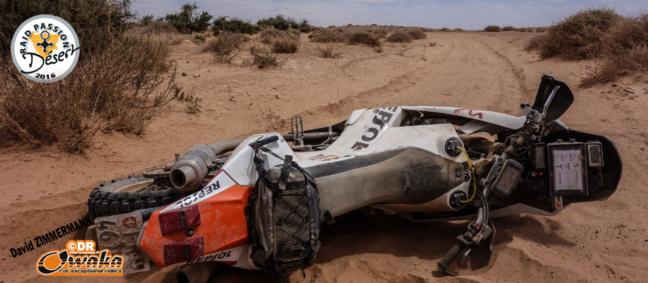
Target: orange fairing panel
column 221, row 221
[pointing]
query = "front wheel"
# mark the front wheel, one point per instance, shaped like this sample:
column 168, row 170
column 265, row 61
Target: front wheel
column 129, row 194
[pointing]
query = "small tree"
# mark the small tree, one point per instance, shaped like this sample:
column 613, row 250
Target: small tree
column 146, row 20
column 234, row 25
column 188, row 19
column 279, row 22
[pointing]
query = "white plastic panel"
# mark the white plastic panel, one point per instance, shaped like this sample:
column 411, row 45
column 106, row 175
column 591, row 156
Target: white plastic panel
column 240, row 166
column 503, row 120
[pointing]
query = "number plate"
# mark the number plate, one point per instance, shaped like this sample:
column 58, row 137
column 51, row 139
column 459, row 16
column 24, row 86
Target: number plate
column 119, row 234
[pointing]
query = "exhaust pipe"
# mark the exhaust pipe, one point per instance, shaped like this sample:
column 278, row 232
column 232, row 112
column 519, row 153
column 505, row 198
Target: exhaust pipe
column 188, row 172
column 196, row 273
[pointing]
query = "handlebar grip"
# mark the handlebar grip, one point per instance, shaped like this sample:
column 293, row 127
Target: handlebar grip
column 450, row 256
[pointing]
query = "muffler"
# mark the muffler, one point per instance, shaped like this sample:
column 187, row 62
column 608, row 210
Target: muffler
column 197, row 273
column 188, row 172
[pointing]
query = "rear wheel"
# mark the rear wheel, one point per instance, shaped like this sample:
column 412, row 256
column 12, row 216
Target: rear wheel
column 130, row 194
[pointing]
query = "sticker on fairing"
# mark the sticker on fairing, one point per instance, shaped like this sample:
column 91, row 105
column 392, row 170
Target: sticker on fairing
column 219, row 183
column 230, row 256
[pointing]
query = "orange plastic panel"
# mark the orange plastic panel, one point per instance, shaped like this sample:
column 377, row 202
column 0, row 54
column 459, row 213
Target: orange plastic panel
column 223, row 225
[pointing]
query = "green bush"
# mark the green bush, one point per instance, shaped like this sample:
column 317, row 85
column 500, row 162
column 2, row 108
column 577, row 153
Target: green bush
column 188, row 20
column 305, row 27
column 492, row 29
column 234, row 25
column 363, row 38
column 279, row 22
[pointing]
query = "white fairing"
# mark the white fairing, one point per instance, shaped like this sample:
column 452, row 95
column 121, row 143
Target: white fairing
column 375, row 130
column 367, row 131
column 494, row 118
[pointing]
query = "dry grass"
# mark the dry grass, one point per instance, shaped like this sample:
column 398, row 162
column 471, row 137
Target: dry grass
column 327, row 52
column 226, row 43
column 326, row 36
column 399, row 36
column 118, row 91
column 263, row 58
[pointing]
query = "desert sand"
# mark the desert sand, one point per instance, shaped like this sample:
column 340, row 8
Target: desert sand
column 43, row 188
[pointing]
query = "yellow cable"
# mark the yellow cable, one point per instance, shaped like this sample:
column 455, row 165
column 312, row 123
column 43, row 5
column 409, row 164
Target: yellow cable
column 470, row 168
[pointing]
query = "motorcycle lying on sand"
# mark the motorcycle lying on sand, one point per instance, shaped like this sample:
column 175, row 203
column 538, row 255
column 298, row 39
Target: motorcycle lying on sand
column 258, row 202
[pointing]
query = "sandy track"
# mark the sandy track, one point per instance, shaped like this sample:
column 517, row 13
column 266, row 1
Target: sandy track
column 604, row 241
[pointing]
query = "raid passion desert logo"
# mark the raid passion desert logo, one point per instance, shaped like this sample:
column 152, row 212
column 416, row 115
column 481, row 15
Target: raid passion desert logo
column 45, row 48
column 80, row 258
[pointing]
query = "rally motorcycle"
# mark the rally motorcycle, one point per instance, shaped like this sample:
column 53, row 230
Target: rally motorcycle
column 258, row 202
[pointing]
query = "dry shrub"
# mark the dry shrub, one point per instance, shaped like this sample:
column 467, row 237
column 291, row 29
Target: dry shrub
column 327, row 52
column 380, row 33
column 363, row 38
column 326, row 36
column 157, row 27
column 492, row 28
column 457, row 29
column 579, row 36
column 160, row 31
column 509, row 28
column 285, row 45
column 624, row 49
column 199, row 38
column 263, row 58
column 444, row 29
column 270, row 35
column 399, row 36
column 117, row 84
column 417, row 33
column 226, row 43
column 117, row 91
column 536, row 42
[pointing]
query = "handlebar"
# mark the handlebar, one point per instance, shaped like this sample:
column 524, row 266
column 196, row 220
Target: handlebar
column 451, row 255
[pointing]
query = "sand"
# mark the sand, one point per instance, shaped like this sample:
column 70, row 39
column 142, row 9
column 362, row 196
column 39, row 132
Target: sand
column 43, row 189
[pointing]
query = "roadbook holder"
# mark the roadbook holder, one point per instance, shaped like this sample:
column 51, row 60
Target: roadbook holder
column 284, row 218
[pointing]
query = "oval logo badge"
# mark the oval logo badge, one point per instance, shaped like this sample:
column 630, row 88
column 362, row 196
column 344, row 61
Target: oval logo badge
column 45, row 48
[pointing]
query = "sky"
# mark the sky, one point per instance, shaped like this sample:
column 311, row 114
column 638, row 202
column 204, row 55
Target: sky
column 464, row 14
